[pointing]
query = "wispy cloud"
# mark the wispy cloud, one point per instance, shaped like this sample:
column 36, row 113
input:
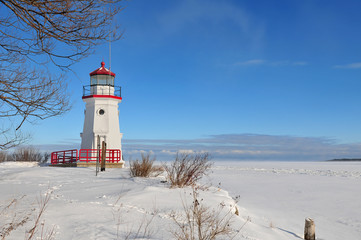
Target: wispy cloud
column 258, row 62
column 301, row 63
column 248, row 147
column 189, row 13
column 65, row 144
column 350, row 66
column 252, row 62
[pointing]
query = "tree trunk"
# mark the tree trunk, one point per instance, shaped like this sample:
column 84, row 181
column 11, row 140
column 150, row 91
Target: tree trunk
column 309, row 229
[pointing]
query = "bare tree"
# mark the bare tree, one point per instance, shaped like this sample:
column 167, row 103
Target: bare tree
column 28, row 95
column 34, row 33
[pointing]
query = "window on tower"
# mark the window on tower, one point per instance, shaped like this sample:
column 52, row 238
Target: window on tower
column 102, row 80
column 101, row 112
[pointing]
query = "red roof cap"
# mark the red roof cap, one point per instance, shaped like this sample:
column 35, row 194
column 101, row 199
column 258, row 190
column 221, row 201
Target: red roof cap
column 102, row 71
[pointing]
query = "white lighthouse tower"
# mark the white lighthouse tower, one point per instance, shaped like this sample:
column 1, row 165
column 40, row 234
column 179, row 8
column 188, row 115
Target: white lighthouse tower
column 101, row 111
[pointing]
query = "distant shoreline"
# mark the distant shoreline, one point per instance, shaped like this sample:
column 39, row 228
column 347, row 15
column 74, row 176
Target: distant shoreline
column 345, row 160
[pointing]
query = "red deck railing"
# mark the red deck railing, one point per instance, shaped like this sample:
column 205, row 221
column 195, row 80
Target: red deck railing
column 91, row 155
column 85, row 155
column 62, row 157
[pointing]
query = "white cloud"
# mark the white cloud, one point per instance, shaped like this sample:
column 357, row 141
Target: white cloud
column 186, row 151
column 182, row 151
column 350, row 66
column 258, row 62
column 168, row 152
column 138, row 151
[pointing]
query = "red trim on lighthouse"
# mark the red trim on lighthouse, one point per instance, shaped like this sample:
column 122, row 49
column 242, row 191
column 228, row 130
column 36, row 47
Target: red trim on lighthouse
column 102, row 71
column 102, row 96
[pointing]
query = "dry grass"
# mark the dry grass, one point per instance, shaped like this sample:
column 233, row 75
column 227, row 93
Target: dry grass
column 187, row 169
column 271, row 224
column 37, row 224
column 200, row 222
column 143, row 231
column 145, row 167
column 139, row 230
column 12, row 218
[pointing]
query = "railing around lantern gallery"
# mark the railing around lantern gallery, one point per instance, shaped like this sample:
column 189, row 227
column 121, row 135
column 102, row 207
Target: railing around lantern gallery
column 89, row 90
column 85, row 155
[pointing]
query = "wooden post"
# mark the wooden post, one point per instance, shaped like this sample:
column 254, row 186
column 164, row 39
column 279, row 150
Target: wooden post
column 104, row 152
column 98, row 156
column 309, row 229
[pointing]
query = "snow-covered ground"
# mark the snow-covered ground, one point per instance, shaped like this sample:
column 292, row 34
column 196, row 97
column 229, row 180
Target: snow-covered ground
column 283, row 194
column 275, row 197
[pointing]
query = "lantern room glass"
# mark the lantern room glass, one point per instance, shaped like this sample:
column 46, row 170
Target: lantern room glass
column 102, row 80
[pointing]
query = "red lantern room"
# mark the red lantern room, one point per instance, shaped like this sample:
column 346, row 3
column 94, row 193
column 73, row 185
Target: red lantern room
column 102, row 76
column 102, row 84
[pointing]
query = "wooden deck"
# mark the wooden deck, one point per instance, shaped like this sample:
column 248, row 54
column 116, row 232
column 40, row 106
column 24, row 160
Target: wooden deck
column 84, row 164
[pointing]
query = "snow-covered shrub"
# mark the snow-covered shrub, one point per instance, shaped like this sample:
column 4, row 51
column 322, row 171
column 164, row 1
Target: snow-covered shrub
column 187, row 169
column 145, row 167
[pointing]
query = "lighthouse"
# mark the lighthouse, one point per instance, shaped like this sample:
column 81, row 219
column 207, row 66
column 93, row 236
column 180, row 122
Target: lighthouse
column 101, row 120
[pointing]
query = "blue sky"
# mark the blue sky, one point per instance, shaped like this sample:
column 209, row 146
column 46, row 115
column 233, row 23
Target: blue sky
column 241, row 79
